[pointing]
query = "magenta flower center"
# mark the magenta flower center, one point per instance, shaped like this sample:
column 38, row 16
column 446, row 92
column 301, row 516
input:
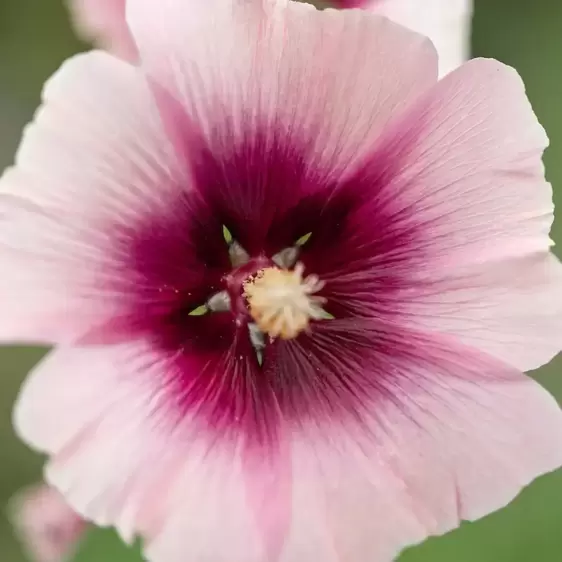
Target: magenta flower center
column 271, row 296
column 267, row 285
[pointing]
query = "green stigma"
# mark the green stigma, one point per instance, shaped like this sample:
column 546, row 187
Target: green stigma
column 303, row 239
column 227, row 235
column 199, row 311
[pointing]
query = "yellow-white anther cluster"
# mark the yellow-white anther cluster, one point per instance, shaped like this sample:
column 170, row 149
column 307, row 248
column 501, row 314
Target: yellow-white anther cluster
column 282, row 302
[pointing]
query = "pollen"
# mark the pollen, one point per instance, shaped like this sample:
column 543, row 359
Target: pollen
column 282, row 302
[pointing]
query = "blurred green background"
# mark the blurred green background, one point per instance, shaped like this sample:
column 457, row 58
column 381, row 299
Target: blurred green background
column 35, row 37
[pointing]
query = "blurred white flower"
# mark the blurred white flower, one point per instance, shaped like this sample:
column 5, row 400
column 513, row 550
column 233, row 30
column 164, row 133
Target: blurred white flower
column 445, row 22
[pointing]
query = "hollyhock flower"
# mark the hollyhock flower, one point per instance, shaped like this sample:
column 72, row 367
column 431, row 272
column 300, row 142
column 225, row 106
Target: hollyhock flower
column 103, row 21
column 445, row 22
column 293, row 286
column 47, row 526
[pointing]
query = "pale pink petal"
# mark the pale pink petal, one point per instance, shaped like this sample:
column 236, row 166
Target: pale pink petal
column 511, row 310
column 446, row 22
column 217, row 494
column 468, row 177
column 95, row 159
column 451, row 434
column 103, row 21
column 363, row 68
column 49, row 529
column 120, row 456
column 459, row 437
column 102, row 432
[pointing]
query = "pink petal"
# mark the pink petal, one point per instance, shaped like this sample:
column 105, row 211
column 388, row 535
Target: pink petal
column 48, row 527
column 95, row 161
column 468, row 177
column 121, row 456
column 445, row 22
column 103, row 21
column 257, row 74
column 451, row 435
column 459, row 438
column 102, row 432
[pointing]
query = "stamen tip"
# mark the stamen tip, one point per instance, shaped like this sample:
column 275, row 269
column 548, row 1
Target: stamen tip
column 199, row 311
column 227, row 235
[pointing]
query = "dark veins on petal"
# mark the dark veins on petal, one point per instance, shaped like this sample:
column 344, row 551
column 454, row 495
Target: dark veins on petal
column 263, row 190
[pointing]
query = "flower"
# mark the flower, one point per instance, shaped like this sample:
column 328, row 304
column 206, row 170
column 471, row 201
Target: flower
column 48, row 527
column 292, row 286
column 445, row 22
column 103, row 21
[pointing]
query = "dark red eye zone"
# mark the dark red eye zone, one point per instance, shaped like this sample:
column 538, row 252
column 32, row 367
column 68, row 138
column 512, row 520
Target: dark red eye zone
column 268, row 196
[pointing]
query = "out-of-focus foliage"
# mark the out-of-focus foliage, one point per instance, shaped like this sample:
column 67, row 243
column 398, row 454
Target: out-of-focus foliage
column 34, row 39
